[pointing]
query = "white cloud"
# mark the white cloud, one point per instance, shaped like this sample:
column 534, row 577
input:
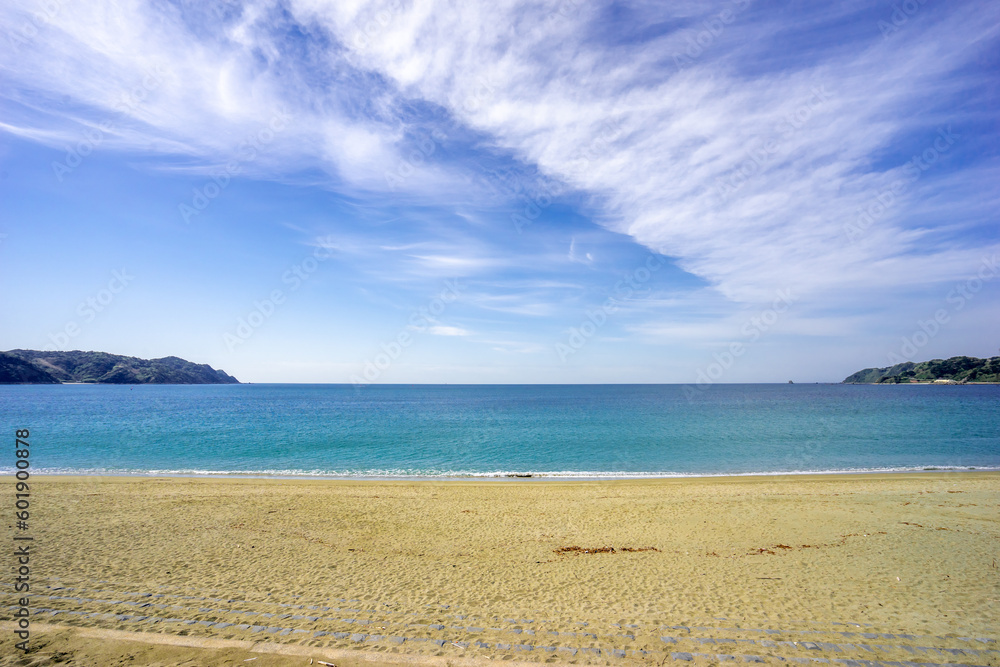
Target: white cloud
column 652, row 144
column 442, row 330
column 649, row 143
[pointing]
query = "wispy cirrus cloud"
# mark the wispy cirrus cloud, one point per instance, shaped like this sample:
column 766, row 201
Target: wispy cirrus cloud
column 747, row 174
column 759, row 146
column 444, row 330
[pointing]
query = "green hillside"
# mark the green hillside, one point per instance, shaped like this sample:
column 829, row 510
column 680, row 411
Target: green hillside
column 956, row 369
column 38, row 367
column 15, row 370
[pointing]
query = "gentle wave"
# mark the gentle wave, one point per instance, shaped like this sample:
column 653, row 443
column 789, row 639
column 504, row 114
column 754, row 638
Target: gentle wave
column 405, row 474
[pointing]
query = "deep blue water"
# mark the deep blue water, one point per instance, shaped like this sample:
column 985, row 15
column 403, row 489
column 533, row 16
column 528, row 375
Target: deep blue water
column 434, row 430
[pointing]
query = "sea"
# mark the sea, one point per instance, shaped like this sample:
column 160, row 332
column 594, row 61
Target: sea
column 501, row 432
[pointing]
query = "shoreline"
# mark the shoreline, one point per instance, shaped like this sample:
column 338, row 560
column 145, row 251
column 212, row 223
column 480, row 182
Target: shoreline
column 533, row 477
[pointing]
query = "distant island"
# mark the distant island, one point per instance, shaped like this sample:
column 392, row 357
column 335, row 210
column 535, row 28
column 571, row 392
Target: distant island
column 39, row 367
column 957, row 370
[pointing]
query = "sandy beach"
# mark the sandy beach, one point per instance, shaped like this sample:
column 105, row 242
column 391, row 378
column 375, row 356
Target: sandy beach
column 456, row 572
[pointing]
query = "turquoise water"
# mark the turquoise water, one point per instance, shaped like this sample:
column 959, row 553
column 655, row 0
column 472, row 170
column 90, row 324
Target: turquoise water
column 554, row 430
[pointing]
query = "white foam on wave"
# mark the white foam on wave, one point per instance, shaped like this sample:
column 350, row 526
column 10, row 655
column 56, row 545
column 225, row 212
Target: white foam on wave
column 473, row 474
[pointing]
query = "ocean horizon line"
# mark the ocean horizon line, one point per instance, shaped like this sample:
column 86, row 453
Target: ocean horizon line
column 516, row 384
column 449, row 384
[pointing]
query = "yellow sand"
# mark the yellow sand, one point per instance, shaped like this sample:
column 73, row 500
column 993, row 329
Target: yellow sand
column 907, row 553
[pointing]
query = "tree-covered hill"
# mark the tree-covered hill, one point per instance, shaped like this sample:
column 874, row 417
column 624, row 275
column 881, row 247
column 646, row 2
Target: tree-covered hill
column 15, row 370
column 39, row 367
column 956, row 369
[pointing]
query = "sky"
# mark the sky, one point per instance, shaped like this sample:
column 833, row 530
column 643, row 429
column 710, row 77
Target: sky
column 505, row 192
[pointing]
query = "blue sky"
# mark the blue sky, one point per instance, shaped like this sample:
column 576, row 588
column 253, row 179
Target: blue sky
column 681, row 192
